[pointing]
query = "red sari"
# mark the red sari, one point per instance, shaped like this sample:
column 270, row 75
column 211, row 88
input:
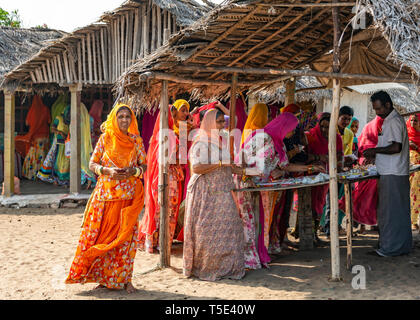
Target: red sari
column 149, row 229
column 317, row 144
column 365, row 193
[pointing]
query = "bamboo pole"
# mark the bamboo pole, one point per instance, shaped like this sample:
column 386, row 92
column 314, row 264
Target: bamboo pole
column 147, row 24
column 101, row 77
column 32, row 74
column 50, row 79
column 164, row 239
column 44, row 73
column 75, row 138
column 95, row 66
column 349, row 223
column 154, row 29
column 129, row 39
column 79, row 62
column 60, row 68
column 309, row 5
column 122, row 45
column 109, row 46
column 142, row 31
column 232, row 113
column 104, row 57
column 9, row 143
column 145, row 31
column 89, row 57
column 294, row 73
column 159, row 27
column 83, row 62
column 332, row 155
column 290, row 92
column 66, row 67
column 136, row 34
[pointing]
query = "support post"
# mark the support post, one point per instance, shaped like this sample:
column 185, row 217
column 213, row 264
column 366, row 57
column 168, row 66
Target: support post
column 332, row 155
column 232, row 113
column 349, row 223
column 290, row 92
column 75, row 138
column 9, row 143
column 306, row 235
column 164, row 238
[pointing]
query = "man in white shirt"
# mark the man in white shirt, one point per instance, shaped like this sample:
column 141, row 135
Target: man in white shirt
column 392, row 162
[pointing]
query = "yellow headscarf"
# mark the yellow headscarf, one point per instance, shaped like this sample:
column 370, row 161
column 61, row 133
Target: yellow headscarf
column 118, row 146
column 181, row 102
column 178, row 104
column 257, row 119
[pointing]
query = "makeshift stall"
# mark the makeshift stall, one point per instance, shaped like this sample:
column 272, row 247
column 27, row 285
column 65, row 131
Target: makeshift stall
column 255, row 44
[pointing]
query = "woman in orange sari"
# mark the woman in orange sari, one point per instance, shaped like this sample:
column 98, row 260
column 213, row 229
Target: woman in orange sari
column 109, row 239
column 36, row 141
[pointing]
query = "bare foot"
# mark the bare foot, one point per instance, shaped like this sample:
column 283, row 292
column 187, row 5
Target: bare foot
column 100, row 286
column 129, row 288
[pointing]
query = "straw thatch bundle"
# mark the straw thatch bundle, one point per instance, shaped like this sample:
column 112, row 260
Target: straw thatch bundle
column 399, row 22
column 233, row 35
column 18, row 45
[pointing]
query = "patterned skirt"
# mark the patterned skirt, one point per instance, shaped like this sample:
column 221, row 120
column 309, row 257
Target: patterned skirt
column 115, row 268
column 35, row 157
column 415, row 188
column 213, row 232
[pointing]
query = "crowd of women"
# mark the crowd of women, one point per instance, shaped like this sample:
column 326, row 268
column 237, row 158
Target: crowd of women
column 45, row 148
column 224, row 233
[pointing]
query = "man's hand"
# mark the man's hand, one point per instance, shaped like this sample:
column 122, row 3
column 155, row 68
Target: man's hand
column 369, row 153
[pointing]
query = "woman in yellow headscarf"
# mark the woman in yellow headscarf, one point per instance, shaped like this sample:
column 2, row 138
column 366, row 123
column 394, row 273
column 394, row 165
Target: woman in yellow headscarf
column 109, row 238
column 257, row 119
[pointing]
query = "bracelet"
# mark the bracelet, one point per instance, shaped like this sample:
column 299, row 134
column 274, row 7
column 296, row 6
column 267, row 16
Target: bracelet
column 98, row 170
column 243, row 171
column 220, row 163
column 137, row 172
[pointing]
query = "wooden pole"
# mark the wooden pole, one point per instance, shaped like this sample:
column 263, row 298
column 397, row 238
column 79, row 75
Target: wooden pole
column 75, row 138
column 292, row 73
column 349, row 223
column 9, row 143
column 290, row 92
column 332, row 154
column 164, row 239
column 232, row 113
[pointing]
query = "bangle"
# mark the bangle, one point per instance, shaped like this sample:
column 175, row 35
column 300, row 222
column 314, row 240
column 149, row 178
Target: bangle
column 98, row 170
column 243, row 171
column 220, row 163
column 137, row 172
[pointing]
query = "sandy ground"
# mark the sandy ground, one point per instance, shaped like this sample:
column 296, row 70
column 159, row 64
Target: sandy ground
column 38, row 246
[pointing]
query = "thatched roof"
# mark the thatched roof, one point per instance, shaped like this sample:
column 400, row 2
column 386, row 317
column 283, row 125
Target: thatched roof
column 37, row 69
column 264, row 35
column 18, row 45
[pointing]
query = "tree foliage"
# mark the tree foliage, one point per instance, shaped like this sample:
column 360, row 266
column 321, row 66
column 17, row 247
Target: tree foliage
column 10, row 19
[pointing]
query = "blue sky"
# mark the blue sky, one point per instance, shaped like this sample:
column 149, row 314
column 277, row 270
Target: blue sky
column 59, row 14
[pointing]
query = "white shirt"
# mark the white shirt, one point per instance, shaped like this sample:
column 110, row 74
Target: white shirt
column 393, row 129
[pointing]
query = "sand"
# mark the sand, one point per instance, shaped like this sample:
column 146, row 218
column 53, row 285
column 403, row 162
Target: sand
column 38, row 246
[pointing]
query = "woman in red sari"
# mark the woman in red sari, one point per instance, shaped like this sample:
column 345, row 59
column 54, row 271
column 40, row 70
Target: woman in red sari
column 109, row 238
column 365, row 193
column 35, row 143
column 318, row 146
column 177, row 175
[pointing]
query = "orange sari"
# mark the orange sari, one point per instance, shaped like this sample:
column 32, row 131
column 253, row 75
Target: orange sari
column 38, row 120
column 109, row 239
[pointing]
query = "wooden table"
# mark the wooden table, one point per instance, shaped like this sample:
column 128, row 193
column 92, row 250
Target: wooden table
column 306, row 239
column 349, row 209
